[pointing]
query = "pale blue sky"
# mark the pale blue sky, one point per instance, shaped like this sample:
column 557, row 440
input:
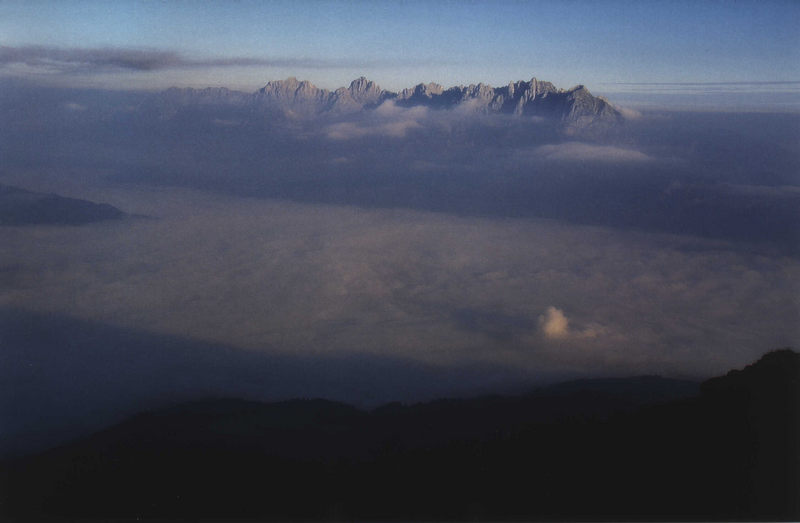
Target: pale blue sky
column 401, row 43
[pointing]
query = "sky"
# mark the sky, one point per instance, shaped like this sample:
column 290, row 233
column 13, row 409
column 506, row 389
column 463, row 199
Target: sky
column 734, row 49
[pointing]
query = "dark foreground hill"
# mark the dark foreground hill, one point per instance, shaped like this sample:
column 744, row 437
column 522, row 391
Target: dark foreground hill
column 587, row 450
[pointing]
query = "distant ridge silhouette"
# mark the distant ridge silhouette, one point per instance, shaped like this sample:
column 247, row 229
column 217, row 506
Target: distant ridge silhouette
column 22, row 207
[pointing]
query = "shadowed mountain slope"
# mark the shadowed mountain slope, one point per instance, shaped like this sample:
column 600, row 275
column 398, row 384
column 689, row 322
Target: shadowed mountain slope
column 730, row 453
column 62, row 377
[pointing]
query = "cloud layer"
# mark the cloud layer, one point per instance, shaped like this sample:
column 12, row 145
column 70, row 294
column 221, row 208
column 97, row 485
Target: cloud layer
column 300, row 279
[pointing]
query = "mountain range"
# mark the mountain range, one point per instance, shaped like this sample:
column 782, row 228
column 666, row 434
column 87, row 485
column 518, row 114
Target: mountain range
column 301, row 99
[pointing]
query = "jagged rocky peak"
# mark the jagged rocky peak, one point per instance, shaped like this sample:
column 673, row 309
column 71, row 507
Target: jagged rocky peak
column 365, row 91
column 292, row 97
column 361, row 94
column 480, row 91
column 540, row 87
column 422, row 91
column 431, row 89
column 362, row 85
column 584, row 108
column 290, row 88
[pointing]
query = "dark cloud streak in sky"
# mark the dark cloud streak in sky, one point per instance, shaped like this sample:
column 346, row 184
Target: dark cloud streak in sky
column 104, row 59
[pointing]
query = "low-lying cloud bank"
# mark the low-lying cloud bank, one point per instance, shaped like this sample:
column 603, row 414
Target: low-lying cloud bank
column 300, row 279
column 386, row 120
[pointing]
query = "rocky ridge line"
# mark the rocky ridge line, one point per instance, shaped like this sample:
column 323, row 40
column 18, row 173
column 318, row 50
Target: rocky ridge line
column 302, row 99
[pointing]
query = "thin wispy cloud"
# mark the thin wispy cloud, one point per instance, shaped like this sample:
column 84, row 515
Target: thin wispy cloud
column 694, row 84
column 583, row 152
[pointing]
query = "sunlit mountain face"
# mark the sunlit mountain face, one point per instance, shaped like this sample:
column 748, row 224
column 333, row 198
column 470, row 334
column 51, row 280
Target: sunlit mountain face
column 326, row 220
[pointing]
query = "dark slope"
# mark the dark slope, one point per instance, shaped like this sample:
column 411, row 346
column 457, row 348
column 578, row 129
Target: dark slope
column 61, row 377
column 21, row 207
column 730, row 453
